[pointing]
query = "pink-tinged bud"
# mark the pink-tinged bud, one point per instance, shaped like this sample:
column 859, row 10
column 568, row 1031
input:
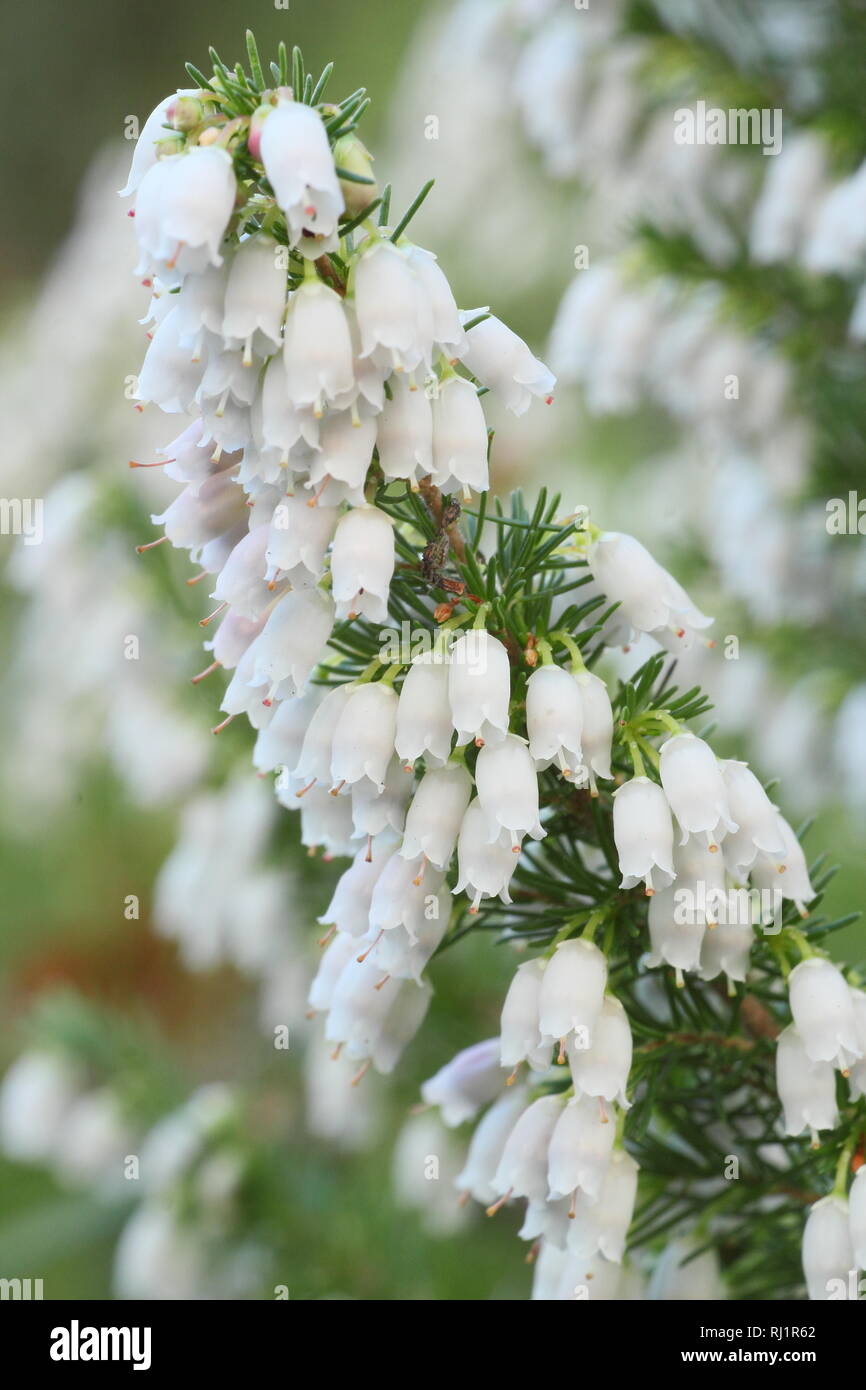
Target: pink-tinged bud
column 254, row 138
column 185, row 113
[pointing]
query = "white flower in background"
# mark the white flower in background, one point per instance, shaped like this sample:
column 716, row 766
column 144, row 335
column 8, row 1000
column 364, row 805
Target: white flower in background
column 823, row 1012
column 684, row 1277
column 36, row 1095
column 788, row 875
column 364, row 735
column 580, row 1149
column 182, row 210
column 362, row 563
column 572, row 991
column 317, row 347
column 857, row 1077
column 375, row 1024
column 484, row 866
column 424, row 1167
column 650, row 599
column 479, row 687
column 459, row 438
column 155, row 1257
column 758, row 829
column 644, row 834
column 404, row 432
column 337, row 954
column 676, row 935
column 521, row 1038
column 295, row 152
column 95, row 1140
column 857, row 1216
column 554, row 719
column 388, row 299
column 597, row 726
column 487, row 1144
column 255, row 296
column 600, row 1062
column 345, row 1115
column 203, row 512
column 522, row 1170
column 405, row 951
column 693, row 784
column 445, row 325
column 436, row 814
column 299, row 535
column 508, row 791
column 291, row 642
column 501, row 361
column 424, row 726
column 469, row 1081
column 807, row 1089
column 602, row 1225
column 828, row 1252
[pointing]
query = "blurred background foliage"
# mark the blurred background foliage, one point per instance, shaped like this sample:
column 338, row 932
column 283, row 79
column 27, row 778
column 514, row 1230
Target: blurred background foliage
column 73, row 74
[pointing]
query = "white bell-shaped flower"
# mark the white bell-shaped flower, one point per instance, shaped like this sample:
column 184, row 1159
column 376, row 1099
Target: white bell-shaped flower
column 695, row 789
column 424, row 727
column 727, row 948
column 404, row 432
column 405, row 896
column 387, row 295
column 600, row 1065
column 145, row 154
column 680, row 1276
column 280, row 744
column 469, row 1081
column 292, row 642
column 200, row 307
column 245, row 695
column 788, row 875
column 823, row 1012
column 756, row 817
column 459, row 438
column 299, row 535
column 278, row 424
column 297, row 158
column 501, row 361
column 194, row 197
column 362, row 563
column 857, row 1075
column 339, row 470
column 857, row 1217
column 650, row 599
column 521, row 1038
column 554, row 719
column 202, row 512
column 508, row 791
column 597, row 726
column 572, row 991
column 36, row 1094
column 436, row 814
column 349, row 908
column 405, row 954
column 828, row 1252
column 580, row 1148
column 522, row 1169
column 479, row 687
column 644, row 834
column 255, row 296
column 676, row 932
column 364, row 736
column 335, row 956
column 602, row 1225
column 241, row 581
column 487, row 1144
column 314, row 762
column 484, row 866
column 358, row 1010
column 806, row 1089
column 169, row 376
column 317, row 347
column 375, row 809
column 447, row 329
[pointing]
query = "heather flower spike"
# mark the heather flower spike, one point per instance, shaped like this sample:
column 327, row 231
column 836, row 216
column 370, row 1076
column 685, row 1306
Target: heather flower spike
column 427, row 678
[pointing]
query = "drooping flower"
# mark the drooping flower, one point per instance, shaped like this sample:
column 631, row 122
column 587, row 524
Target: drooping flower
column 644, row 834
column 828, row 1253
column 554, row 719
column 388, row 299
column 364, row 735
column 650, row 599
column 693, row 784
column 823, row 1012
column 521, row 1039
column 182, row 210
column 484, row 866
column 572, row 991
column 601, row 1062
column 459, row 438
column 317, row 347
column 294, row 149
column 479, row 687
column 255, row 296
column 436, row 814
column 580, row 1149
column 424, row 727
column 508, row 791
column 807, row 1089
column 502, row 361
column 362, row 563
column 469, row 1081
